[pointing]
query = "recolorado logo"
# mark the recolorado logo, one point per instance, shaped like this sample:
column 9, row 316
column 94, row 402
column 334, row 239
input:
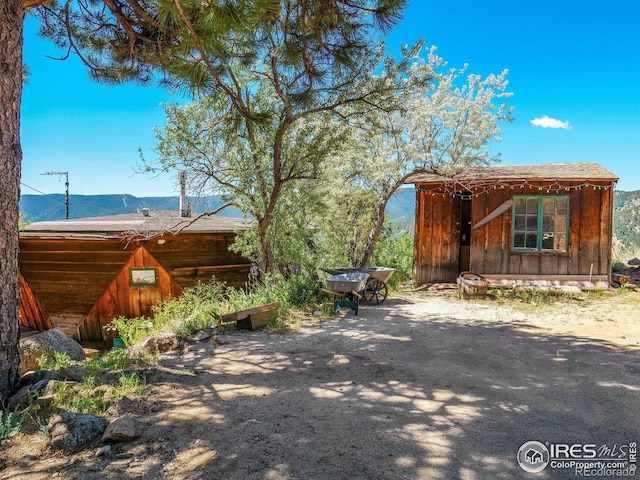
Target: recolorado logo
column 582, row 459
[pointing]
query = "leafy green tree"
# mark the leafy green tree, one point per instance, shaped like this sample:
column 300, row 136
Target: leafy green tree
column 443, row 126
column 183, row 42
column 276, row 123
column 394, row 249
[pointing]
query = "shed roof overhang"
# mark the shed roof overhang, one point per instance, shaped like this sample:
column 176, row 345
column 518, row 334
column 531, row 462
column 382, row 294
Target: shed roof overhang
column 114, row 226
column 508, row 174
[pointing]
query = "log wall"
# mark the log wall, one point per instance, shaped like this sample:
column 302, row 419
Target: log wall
column 69, row 276
column 191, row 258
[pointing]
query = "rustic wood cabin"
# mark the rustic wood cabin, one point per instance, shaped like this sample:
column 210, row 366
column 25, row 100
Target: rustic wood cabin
column 77, row 275
column 542, row 224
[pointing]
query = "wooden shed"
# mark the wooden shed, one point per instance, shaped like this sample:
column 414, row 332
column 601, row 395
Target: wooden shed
column 77, row 275
column 542, row 224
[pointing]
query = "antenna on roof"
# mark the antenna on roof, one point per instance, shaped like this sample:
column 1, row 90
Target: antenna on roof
column 66, row 196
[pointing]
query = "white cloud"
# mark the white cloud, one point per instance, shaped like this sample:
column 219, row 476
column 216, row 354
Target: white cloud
column 546, row 122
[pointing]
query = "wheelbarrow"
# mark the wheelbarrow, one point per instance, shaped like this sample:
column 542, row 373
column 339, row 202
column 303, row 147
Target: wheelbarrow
column 375, row 291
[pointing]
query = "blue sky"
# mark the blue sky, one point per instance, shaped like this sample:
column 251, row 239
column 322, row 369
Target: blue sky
column 574, row 69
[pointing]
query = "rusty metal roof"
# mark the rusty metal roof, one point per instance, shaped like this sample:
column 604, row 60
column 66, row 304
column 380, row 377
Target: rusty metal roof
column 552, row 171
column 156, row 221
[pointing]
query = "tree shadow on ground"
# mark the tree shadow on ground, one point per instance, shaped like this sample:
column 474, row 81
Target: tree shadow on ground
column 396, row 392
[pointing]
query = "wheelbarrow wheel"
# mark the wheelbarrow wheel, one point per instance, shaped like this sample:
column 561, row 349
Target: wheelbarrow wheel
column 375, row 291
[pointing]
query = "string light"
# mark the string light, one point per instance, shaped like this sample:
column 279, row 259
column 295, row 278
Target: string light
column 456, row 188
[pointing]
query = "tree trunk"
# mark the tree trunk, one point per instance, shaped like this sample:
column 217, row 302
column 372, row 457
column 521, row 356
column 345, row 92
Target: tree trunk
column 378, row 221
column 11, row 37
column 266, row 252
column 374, row 234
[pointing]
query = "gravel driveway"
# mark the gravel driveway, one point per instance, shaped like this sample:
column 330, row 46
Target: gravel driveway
column 430, row 389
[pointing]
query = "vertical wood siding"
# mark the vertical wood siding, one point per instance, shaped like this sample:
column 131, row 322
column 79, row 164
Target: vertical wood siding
column 436, row 240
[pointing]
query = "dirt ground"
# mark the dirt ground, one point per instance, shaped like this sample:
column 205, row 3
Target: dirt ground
column 424, row 386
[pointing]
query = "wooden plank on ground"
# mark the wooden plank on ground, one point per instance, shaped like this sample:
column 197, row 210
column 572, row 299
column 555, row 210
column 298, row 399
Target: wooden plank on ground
column 242, row 314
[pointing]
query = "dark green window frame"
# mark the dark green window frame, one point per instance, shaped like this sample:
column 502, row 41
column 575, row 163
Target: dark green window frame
column 540, row 223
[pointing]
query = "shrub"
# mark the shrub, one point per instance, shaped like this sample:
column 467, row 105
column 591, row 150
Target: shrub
column 59, row 361
column 113, row 360
column 85, row 398
column 294, row 292
column 618, row 267
column 395, row 250
column 199, row 307
column 206, row 297
column 132, row 330
column 202, row 306
column 301, row 290
column 10, row 424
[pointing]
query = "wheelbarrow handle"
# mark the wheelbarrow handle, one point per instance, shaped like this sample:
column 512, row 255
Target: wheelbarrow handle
column 332, row 271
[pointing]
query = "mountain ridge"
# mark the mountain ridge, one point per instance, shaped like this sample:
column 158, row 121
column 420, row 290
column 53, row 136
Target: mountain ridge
column 41, row 208
column 401, row 209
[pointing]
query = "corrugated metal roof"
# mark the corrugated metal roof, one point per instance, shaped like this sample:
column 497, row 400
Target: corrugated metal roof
column 157, row 221
column 552, row 171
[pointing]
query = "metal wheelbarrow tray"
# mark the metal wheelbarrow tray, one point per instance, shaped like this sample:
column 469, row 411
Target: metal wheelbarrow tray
column 375, row 290
column 348, row 282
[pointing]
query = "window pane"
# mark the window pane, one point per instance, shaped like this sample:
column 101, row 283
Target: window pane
column 518, row 240
column 532, row 240
column 561, row 206
column 549, row 206
column 550, row 213
column 547, row 241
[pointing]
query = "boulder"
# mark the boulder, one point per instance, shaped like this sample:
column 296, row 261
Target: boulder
column 34, row 376
column 47, row 343
column 156, row 344
column 23, row 396
column 104, row 451
column 103, row 391
column 20, row 398
column 71, row 432
column 122, row 429
column 199, row 336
